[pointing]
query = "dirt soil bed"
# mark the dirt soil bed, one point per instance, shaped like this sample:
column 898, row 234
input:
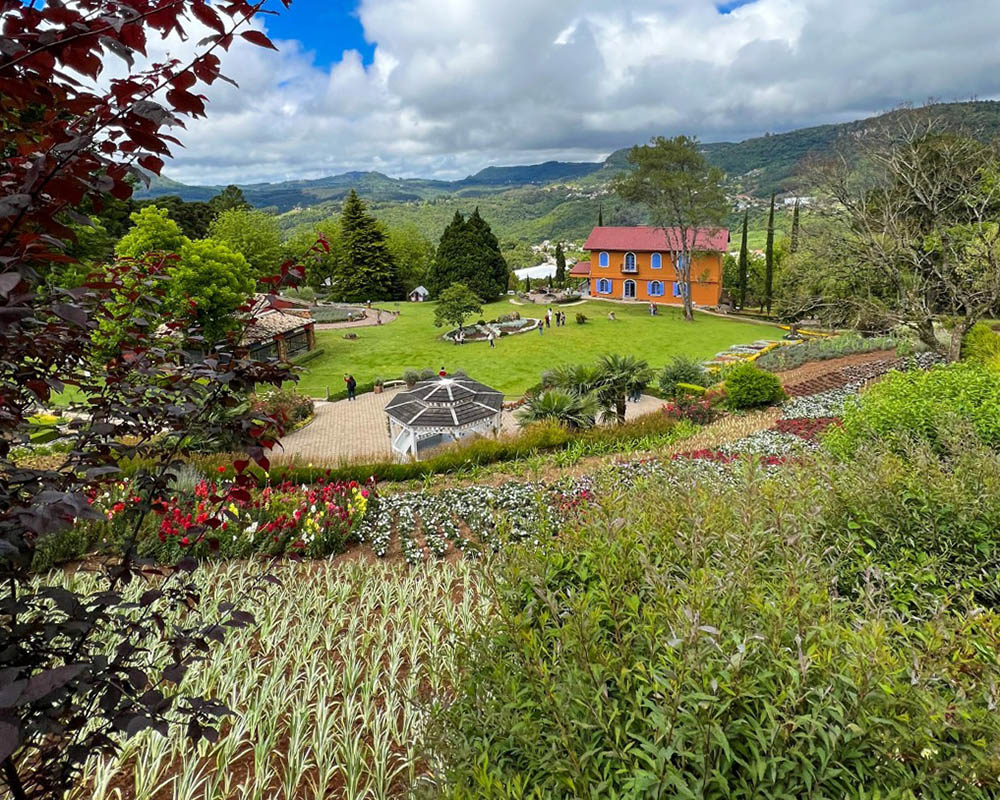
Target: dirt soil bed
column 816, row 369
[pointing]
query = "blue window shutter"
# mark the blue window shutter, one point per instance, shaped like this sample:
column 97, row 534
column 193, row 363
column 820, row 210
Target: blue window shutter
column 657, row 261
column 604, row 259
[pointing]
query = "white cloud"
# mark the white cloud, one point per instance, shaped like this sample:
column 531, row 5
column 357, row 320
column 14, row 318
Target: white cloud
column 460, row 84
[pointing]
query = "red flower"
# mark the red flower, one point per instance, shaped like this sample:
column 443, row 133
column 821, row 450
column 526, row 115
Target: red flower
column 185, row 541
column 222, row 469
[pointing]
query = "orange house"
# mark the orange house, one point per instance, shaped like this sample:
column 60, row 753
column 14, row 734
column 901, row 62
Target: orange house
column 638, row 263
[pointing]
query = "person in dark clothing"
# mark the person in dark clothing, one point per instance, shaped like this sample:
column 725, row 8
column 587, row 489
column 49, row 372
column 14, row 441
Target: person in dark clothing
column 352, row 387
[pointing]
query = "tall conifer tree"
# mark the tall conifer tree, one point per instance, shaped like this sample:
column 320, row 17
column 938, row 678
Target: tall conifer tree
column 366, row 270
column 795, row 229
column 769, row 259
column 469, row 253
column 744, row 261
column 600, row 216
column 560, row 265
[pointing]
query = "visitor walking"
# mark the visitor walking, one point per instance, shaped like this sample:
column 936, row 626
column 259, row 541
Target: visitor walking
column 541, row 327
column 652, row 310
column 492, row 339
column 548, row 318
column 442, row 372
column 352, row 387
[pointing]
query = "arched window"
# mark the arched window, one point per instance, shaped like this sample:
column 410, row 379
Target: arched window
column 629, row 289
column 604, row 286
column 656, row 261
column 630, row 262
column 604, row 259
column 656, row 289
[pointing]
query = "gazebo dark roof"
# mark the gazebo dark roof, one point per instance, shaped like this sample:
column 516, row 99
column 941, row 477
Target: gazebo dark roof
column 445, row 403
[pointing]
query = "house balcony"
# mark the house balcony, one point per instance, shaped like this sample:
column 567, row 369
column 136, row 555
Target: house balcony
column 629, row 269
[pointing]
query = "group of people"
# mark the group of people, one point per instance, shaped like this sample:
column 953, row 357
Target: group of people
column 558, row 316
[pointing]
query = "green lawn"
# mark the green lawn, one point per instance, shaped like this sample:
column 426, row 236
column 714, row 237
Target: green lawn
column 412, row 341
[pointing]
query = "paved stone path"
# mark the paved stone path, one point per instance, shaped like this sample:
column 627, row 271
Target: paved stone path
column 347, row 430
column 371, row 318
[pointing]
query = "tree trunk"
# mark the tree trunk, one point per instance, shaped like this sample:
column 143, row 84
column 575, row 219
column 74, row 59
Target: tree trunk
column 620, row 408
column 957, row 335
column 13, row 779
column 925, row 331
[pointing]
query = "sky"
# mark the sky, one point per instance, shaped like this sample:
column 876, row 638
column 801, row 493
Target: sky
column 443, row 88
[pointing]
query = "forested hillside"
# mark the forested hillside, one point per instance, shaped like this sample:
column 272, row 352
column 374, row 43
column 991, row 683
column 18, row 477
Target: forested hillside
column 559, row 200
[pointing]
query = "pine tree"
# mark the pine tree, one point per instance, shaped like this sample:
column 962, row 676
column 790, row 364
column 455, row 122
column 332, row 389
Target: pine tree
column 527, row 283
column 795, row 229
column 366, row 270
column 769, row 259
column 600, row 216
column 744, row 261
column 469, row 253
column 560, row 265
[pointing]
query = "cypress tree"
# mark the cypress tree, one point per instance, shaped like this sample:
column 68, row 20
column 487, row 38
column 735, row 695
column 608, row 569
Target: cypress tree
column 600, row 216
column 769, row 259
column 492, row 275
column 527, row 283
column 366, row 270
column 560, row 265
column 744, row 261
column 795, row 229
column 446, row 268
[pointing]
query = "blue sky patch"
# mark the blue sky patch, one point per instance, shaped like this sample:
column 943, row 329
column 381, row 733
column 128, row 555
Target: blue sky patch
column 327, row 27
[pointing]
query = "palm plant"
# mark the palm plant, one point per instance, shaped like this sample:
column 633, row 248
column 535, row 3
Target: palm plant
column 577, row 379
column 616, row 378
column 567, row 408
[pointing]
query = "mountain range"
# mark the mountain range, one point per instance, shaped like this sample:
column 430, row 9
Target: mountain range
column 558, row 199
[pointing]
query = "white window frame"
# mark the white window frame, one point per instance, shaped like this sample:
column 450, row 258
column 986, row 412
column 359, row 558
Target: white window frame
column 625, row 294
column 635, row 264
column 604, row 260
column 656, row 261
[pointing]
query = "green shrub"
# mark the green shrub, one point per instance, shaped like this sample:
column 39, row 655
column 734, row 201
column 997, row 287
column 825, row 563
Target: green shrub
column 690, row 389
column 749, row 387
column 981, row 345
column 682, row 370
column 411, row 377
column 923, row 407
column 701, row 650
column 581, row 319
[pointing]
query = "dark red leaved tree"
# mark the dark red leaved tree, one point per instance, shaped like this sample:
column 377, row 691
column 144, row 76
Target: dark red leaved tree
column 76, row 671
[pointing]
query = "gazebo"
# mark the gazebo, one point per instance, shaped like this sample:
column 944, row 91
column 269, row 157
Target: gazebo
column 439, row 411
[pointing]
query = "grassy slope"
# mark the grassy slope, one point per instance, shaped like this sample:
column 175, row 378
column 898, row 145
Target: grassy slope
column 518, row 361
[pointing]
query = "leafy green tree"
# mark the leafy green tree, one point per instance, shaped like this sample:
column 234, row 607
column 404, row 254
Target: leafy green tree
column 769, row 260
column 681, row 191
column 560, row 265
column 366, row 269
column 413, row 253
column 456, row 304
column 193, row 217
column 152, row 231
column 469, row 253
column 253, row 234
column 321, row 266
column 556, row 405
column 210, row 282
column 229, row 198
column 744, row 260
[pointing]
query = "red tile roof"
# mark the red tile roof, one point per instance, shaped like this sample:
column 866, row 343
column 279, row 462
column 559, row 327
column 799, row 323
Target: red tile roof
column 580, row 268
column 645, row 238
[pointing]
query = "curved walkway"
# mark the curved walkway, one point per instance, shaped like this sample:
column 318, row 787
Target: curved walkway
column 371, row 317
column 346, row 430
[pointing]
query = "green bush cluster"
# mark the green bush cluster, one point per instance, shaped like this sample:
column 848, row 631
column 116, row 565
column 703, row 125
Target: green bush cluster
column 682, row 370
column 782, row 358
column 750, row 387
column 924, row 406
column 693, row 639
column 981, row 345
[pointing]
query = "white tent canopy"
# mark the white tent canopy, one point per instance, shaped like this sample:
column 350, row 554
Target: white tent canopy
column 535, row 273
